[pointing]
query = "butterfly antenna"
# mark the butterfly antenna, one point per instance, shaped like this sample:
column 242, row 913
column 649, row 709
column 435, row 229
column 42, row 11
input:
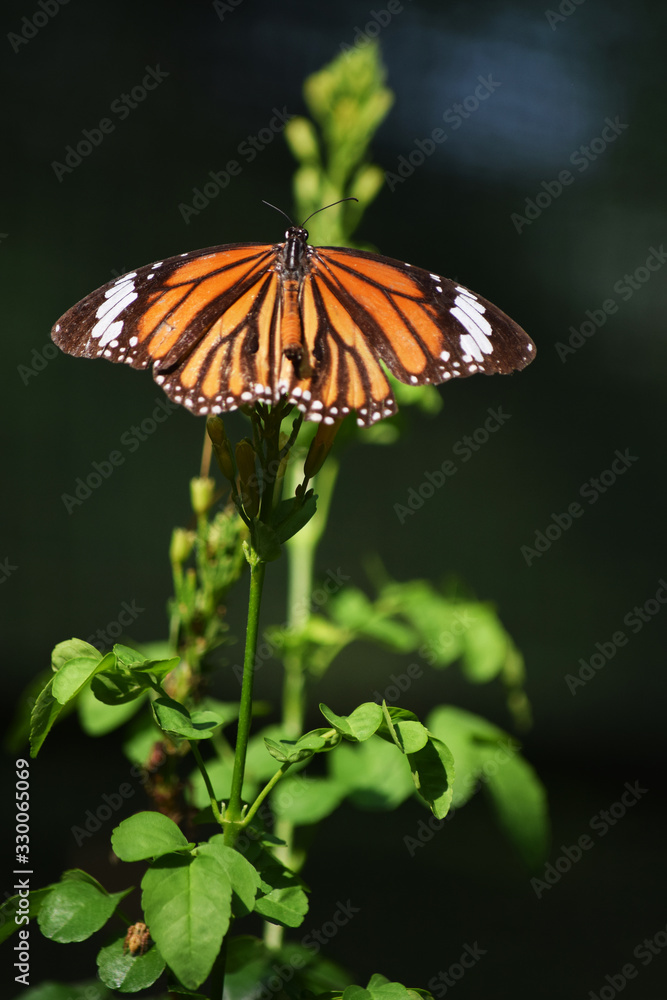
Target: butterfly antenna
column 339, row 202
column 278, row 210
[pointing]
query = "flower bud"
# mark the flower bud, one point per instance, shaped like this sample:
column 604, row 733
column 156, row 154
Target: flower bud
column 201, row 494
column 320, row 447
column 248, row 480
column 216, row 432
column 181, row 545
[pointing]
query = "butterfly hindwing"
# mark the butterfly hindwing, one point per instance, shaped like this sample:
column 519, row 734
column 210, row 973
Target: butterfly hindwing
column 234, row 324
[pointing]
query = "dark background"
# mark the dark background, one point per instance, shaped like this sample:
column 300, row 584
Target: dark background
column 69, row 573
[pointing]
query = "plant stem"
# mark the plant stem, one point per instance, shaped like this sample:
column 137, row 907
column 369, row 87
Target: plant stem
column 234, row 811
column 264, row 792
column 207, row 781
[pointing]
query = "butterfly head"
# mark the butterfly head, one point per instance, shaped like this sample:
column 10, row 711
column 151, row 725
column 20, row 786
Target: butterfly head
column 297, row 233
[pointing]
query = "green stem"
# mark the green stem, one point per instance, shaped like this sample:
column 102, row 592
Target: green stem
column 207, row 781
column 264, row 792
column 235, row 808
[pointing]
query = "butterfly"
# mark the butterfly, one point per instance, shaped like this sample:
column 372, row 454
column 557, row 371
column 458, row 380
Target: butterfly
column 233, row 325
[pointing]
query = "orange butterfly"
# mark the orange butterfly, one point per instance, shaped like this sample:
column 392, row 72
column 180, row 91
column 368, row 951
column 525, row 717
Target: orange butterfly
column 233, row 325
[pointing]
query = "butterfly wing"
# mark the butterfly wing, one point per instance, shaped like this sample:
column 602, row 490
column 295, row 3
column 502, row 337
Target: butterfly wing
column 359, row 308
column 211, row 324
column 208, row 322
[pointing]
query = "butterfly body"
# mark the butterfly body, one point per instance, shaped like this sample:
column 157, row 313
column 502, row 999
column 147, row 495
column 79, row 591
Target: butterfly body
column 247, row 322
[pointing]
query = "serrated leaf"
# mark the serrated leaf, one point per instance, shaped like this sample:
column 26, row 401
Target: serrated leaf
column 243, row 876
column 359, row 725
column 75, row 909
column 175, row 719
column 120, row 970
column 146, row 835
column 432, row 770
column 187, row 905
column 286, row 906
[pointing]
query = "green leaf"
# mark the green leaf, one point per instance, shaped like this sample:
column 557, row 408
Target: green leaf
column 74, row 674
column 350, row 608
column 127, row 656
column 478, row 747
column 187, row 905
column 521, row 806
column 410, row 736
column 15, row 905
column 284, row 900
column 44, row 714
column 174, row 718
column 485, row 644
column 75, row 909
column 290, row 516
column 159, row 668
column 358, row 726
column 70, row 649
column 373, row 775
column 146, row 835
column 433, row 774
column 303, row 800
column 286, row 906
column 120, row 970
column 62, row 991
column 114, row 689
column 97, row 718
column 243, row 876
column 293, row 751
